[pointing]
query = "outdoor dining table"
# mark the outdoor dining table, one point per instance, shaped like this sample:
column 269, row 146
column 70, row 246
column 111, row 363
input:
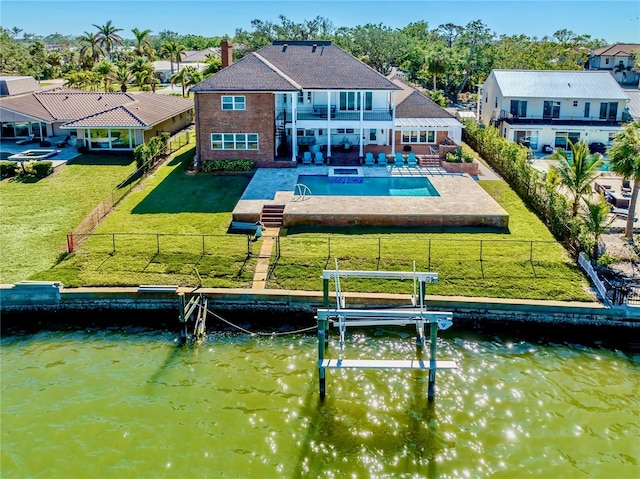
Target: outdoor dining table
column 619, row 200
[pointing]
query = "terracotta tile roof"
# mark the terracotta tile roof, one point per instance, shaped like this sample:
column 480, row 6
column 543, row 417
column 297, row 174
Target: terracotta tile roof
column 618, row 49
column 412, row 103
column 80, row 108
column 292, row 65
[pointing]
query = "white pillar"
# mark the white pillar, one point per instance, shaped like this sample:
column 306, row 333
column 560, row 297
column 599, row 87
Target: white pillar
column 478, row 102
column 328, row 125
column 361, row 152
column 393, row 123
column 294, row 129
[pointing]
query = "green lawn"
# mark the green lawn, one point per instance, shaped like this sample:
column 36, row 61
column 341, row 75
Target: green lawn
column 38, row 214
column 159, row 233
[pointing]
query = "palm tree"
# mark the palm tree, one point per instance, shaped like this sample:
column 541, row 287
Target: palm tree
column 174, row 52
column 123, row 76
column 186, row 77
column 596, row 220
column 578, row 173
column 108, row 37
column 143, row 46
column 214, row 64
column 105, row 69
column 141, row 78
column 90, row 49
column 624, row 158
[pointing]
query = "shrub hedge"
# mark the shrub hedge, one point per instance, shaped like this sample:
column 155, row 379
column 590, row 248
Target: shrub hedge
column 227, row 165
column 8, row 168
column 511, row 161
column 148, row 154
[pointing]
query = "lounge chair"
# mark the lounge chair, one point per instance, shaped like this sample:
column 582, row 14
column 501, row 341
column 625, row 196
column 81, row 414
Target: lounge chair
column 319, row 158
column 626, row 187
column 26, row 140
column 382, row 158
column 64, row 142
column 399, row 160
column 306, row 158
column 412, row 160
column 368, row 159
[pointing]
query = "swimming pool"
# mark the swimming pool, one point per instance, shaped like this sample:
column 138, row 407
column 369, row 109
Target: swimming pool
column 369, row 186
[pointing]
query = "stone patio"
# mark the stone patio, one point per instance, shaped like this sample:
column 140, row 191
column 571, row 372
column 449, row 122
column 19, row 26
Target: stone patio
column 461, row 202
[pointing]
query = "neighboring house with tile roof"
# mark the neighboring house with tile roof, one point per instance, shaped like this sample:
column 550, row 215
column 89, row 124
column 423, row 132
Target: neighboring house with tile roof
column 546, row 108
column 617, row 59
column 101, row 121
column 17, row 85
column 295, row 96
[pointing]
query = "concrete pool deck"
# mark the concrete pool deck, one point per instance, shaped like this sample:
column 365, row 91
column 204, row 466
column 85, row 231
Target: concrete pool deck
column 461, row 201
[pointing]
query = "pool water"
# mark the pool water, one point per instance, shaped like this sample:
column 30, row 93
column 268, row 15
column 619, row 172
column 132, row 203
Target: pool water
column 369, row 186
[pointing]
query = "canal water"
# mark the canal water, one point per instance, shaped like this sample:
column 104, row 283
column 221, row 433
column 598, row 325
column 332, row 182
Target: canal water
column 131, row 403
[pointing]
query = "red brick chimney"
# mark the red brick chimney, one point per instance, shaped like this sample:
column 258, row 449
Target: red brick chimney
column 226, row 53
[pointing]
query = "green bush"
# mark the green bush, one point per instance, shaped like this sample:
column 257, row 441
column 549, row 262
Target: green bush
column 227, row 165
column 458, row 156
column 43, row 168
column 8, row 168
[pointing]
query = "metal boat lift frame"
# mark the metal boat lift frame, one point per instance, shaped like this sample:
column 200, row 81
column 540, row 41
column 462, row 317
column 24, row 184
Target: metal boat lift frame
column 343, row 317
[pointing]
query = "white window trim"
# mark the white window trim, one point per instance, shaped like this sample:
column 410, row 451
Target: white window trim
column 235, row 148
column 427, row 142
column 233, row 103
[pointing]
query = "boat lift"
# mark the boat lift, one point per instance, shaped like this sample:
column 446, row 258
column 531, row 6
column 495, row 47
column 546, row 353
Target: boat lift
column 343, row 317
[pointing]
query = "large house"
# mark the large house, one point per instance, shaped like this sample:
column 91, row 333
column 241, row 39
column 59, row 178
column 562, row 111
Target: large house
column 100, row 121
column 618, row 60
column 296, row 96
column 544, row 109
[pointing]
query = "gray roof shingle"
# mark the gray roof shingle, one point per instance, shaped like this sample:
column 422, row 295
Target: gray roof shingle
column 413, row 103
column 292, row 65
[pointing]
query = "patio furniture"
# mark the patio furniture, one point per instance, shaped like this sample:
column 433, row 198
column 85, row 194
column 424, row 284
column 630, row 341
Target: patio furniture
column 368, row 159
column 626, row 187
column 601, row 188
column 306, row 158
column 319, row 158
column 64, row 142
column 382, row 158
column 399, row 160
column 26, row 140
column 412, row 160
column 618, row 200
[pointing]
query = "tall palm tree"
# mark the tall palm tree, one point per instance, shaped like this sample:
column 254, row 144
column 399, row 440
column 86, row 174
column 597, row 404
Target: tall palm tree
column 143, row 46
column 624, row 158
column 577, row 173
column 597, row 220
column 141, row 78
column 90, row 49
column 123, row 76
column 108, row 37
column 174, row 51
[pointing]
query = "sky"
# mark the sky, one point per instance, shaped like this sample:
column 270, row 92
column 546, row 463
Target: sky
column 613, row 21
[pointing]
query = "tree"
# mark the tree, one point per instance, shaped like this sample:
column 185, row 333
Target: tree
column 174, row 51
column 577, row 173
column 214, row 64
column 141, row 78
column 90, row 49
column 624, row 159
column 108, row 37
column 106, row 70
column 186, row 77
column 596, row 221
column 143, row 46
column 378, row 46
column 123, row 76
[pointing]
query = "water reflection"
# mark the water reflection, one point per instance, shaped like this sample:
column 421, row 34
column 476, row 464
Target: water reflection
column 114, row 403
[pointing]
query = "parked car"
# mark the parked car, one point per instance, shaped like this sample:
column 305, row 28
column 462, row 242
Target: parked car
column 597, row 147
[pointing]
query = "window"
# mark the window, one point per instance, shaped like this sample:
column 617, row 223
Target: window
column 303, row 132
column 575, row 102
column 233, row 103
column 561, row 140
column 373, row 134
column 551, row 109
column 234, row 141
column 519, row 108
column 347, row 100
column 527, row 138
column 302, row 95
column 368, row 100
column 418, row 136
column 496, row 103
column 608, row 111
column 587, row 109
column 606, row 61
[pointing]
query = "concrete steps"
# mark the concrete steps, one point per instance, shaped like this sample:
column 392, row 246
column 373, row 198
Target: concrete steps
column 271, row 216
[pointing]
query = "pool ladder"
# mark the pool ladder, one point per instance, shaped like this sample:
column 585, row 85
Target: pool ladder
column 301, row 191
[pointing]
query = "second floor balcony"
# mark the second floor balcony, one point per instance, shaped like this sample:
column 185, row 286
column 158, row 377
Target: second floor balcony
column 321, row 112
column 557, row 120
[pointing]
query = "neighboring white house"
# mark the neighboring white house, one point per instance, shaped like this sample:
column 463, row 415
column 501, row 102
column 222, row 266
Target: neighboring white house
column 194, row 58
column 548, row 107
column 618, row 60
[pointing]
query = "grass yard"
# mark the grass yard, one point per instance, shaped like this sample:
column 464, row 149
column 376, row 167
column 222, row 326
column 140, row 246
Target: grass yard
column 183, row 208
column 172, row 230
column 38, row 214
